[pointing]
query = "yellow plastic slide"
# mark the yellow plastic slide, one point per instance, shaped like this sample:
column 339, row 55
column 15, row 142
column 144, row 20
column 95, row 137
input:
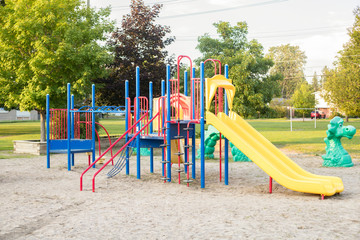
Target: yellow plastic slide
column 269, row 158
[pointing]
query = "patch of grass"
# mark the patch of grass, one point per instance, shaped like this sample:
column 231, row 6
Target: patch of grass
column 19, row 130
column 305, row 138
column 113, row 126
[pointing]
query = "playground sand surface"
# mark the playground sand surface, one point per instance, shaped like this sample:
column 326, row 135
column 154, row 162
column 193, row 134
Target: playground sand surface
column 40, row 203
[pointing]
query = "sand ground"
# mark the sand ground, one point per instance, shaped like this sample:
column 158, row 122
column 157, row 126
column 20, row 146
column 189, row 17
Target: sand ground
column 40, row 203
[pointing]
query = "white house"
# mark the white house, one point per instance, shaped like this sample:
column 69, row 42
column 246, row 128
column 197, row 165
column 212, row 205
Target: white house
column 322, row 105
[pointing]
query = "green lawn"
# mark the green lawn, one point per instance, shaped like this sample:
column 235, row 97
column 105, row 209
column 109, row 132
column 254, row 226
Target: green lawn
column 19, row 130
column 304, row 138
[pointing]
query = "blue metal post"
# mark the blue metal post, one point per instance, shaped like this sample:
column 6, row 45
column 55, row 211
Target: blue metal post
column 68, row 128
column 193, row 149
column 202, row 125
column 127, row 124
column 138, row 127
column 186, row 93
column 93, row 124
column 47, row 131
column 226, row 147
column 72, row 128
column 168, row 125
column 162, row 123
column 185, row 83
column 151, row 125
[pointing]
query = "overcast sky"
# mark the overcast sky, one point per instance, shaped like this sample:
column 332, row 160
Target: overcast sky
column 319, row 27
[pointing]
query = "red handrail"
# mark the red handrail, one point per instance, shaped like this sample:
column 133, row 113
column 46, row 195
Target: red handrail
column 107, row 150
column 122, row 148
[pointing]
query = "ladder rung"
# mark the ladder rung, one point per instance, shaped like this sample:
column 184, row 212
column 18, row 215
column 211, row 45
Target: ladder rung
column 179, row 170
column 178, row 153
column 178, row 137
column 188, row 181
column 188, row 163
column 187, row 129
column 188, row 146
column 164, row 162
column 164, row 178
column 164, row 145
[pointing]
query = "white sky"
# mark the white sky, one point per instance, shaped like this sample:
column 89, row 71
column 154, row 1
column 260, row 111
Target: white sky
column 319, row 27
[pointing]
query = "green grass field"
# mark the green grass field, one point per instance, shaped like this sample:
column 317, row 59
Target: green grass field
column 304, row 138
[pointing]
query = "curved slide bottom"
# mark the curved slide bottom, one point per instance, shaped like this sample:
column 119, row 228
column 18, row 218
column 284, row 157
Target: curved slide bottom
column 270, row 159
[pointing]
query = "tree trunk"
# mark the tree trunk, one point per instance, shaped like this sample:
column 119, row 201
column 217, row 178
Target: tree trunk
column 42, row 126
column 303, row 117
column 347, row 118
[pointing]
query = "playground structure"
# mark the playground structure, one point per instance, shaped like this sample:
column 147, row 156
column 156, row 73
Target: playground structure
column 175, row 117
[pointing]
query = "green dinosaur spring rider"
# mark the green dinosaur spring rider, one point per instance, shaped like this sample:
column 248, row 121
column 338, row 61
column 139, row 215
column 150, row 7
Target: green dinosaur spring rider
column 336, row 155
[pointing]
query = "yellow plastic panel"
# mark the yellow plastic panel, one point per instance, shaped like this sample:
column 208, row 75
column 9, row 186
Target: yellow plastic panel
column 212, row 84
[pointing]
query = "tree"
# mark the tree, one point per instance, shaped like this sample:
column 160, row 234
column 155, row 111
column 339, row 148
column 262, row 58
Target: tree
column 46, row 44
column 324, row 73
column 315, row 83
column 289, row 62
column 139, row 42
column 342, row 84
column 248, row 68
column 303, row 97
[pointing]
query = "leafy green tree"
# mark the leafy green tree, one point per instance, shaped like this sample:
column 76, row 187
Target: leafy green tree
column 315, row 83
column 139, row 42
column 248, row 68
column 342, row 84
column 303, row 97
column 289, row 62
column 46, row 44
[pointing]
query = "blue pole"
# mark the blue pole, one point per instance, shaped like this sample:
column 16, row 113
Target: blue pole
column 168, row 125
column 193, row 94
column 186, row 93
column 162, row 123
column 72, row 128
column 226, row 163
column 93, row 124
column 151, row 125
column 193, row 151
column 68, row 128
column 138, row 126
column 47, row 131
column 202, row 125
column 185, row 83
column 127, row 124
